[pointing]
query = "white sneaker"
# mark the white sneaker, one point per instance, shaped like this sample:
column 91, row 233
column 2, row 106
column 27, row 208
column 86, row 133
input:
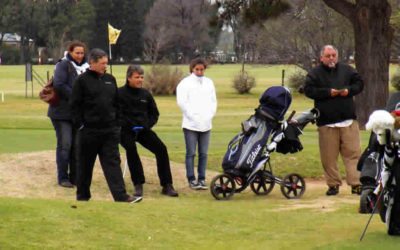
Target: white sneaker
column 194, row 185
column 202, row 185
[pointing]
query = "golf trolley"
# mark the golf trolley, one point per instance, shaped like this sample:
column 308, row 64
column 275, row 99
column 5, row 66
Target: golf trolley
column 261, row 181
column 260, row 178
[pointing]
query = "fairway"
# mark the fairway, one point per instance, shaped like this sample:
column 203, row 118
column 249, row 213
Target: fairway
column 36, row 213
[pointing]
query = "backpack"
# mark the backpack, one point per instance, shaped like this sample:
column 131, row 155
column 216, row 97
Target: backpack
column 48, row 93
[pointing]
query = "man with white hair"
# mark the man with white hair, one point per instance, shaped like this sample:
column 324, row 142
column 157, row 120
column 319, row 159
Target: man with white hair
column 332, row 85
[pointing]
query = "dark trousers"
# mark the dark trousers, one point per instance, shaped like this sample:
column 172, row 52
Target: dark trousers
column 104, row 143
column 149, row 140
column 65, row 152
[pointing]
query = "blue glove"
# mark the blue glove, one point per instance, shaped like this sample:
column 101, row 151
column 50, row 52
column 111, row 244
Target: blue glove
column 137, row 129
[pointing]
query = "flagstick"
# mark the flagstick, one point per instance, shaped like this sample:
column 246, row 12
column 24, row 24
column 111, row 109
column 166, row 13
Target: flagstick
column 109, row 47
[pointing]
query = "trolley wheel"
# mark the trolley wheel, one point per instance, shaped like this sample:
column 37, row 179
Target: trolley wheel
column 263, row 183
column 293, row 186
column 222, row 187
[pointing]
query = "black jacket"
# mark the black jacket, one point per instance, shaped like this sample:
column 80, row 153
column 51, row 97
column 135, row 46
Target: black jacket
column 94, row 101
column 319, row 82
column 64, row 76
column 138, row 108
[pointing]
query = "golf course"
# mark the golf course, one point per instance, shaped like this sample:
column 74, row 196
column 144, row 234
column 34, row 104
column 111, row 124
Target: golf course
column 36, row 213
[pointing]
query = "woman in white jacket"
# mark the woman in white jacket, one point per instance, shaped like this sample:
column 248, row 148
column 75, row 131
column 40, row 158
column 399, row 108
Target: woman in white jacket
column 197, row 99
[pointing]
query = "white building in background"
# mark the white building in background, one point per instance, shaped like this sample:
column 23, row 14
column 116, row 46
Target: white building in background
column 12, row 39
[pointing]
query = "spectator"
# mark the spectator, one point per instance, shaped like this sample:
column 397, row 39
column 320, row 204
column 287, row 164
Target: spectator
column 94, row 105
column 197, row 99
column 67, row 70
column 332, row 86
column 139, row 114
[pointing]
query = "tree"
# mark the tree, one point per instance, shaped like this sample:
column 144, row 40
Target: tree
column 240, row 15
column 21, row 21
column 297, row 36
column 103, row 11
column 83, row 15
column 126, row 15
column 395, row 22
column 55, row 27
column 373, row 35
column 183, row 25
column 130, row 43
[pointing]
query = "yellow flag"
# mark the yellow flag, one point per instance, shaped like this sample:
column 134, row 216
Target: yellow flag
column 113, row 34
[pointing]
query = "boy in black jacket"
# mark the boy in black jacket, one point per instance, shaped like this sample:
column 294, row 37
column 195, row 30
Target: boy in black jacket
column 139, row 114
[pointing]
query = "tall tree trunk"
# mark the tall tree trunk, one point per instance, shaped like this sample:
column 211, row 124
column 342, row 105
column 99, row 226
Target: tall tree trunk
column 373, row 35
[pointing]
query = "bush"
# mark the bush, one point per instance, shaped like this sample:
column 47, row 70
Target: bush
column 297, row 80
column 162, row 79
column 9, row 55
column 395, row 81
column 243, row 82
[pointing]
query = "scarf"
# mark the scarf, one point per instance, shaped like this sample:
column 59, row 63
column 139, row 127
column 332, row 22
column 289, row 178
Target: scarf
column 79, row 67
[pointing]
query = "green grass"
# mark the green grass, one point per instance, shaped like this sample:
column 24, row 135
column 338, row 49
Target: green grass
column 25, row 127
column 194, row 220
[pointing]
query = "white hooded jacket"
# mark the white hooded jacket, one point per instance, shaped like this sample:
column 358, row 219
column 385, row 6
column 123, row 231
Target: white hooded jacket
column 197, row 99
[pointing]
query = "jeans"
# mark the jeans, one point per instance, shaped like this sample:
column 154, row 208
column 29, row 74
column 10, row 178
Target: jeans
column 65, row 152
column 192, row 139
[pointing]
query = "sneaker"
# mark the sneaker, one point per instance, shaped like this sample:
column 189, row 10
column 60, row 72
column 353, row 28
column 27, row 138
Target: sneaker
column 169, row 191
column 194, row 185
column 334, row 190
column 134, row 199
column 202, row 185
column 356, row 189
column 66, row 184
column 138, row 190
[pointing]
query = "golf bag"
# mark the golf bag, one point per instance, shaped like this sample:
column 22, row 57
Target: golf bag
column 246, row 148
column 380, row 174
column 370, row 163
column 389, row 204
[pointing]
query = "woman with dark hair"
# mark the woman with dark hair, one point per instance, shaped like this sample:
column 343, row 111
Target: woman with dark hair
column 197, row 99
column 67, row 70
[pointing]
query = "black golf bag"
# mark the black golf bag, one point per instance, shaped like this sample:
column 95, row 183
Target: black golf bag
column 389, row 204
column 371, row 163
column 246, row 148
column 389, row 207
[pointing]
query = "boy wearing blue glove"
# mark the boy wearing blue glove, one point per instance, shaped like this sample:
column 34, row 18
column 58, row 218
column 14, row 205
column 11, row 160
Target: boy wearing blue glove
column 139, row 113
